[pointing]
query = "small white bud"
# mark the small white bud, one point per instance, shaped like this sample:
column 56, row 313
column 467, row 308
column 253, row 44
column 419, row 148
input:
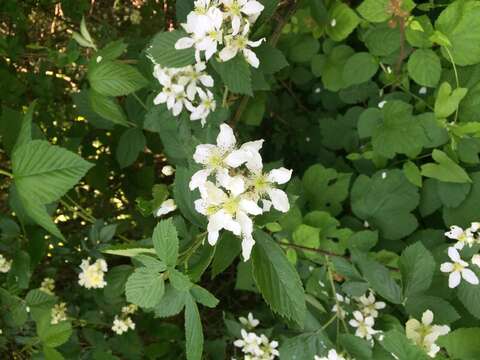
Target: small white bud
column 422, row 90
column 99, row 58
column 381, row 104
column 333, row 23
column 168, row 170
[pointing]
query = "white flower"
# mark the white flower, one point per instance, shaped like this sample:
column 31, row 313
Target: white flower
column 5, row 265
column 47, row 286
column 463, row 237
column 206, row 106
column 121, row 325
column 166, row 207
column 476, row 260
column 228, row 211
column 92, row 275
column 58, row 313
column 257, row 347
column 364, row 325
column 241, row 43
column 129, row 309
column 425, row 334
column 168, row 170
column 332, row 355
column 235, row 8
column 249, row 322
column 195, row 76
column 457, row 269
column 216, row 158
column 368, row 305
column 263, row 185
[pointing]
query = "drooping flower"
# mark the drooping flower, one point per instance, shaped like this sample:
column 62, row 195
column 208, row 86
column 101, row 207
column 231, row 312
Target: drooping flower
column 369, row 306
column 249, row 322
column 425, row 334
column 58, row 313
column 47, row 285
column 92, row 275
column 364, row 325
column 166, row 207
column 457, row 269
column 5, row 265
column 332, row 355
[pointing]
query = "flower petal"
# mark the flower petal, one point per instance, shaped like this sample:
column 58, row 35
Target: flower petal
column 427, row 317
column 446, row 267
column 279, row 199
column 454, row 279
column 225, row 138
column 453, row 254
column 470, row 276
column 280, row 175
column 184, row 43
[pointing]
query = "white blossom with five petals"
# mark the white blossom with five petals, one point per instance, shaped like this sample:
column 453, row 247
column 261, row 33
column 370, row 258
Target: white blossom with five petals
column 458, row 269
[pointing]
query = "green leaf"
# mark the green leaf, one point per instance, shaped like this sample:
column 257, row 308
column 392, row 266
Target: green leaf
column 145, row 288
column 25, row 133
column 130, row 145
column 412, row 173
column 359, row 68
column 346, row 20
column 357, row 347
column 17, row 314
column 375, row 11
column 277, row 279
column 304, row 49
column 386, row 201
column 396, row 343
column 271, row 59
column 235, row 74
column 445, row 169
column 45, row 172
column 227, row 249
column 417, row 267
column 151, row 262
column 179, row 281
column 447, row 101
column 325, row 189
column 113, row 78
column 129, row 250
column 116, row 278
column 53, row 335
column 470, row 298
column 162, row 50
column 38, row 213
column 444, row 312
column 468, row 210
column 306, row 346
column 255, row 110
column 184, row 197
column 52, row 354
column 462, row 343
column 424, row 67
column 332, row 70
column 165, row 241
column 399, row 132
column 193, row 330
column 363, row 240
column 379, row 278
column 107, row 108
column 382, row 40
column 460, row 22
column 21, row 269
column 172, row 302
column 204, row 297
column 452, row 194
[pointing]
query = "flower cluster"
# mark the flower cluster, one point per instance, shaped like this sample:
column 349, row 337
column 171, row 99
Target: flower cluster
column 5, row 265
column 92, row 275
column 364, row 318
column 186, row 87
column 232, row 183
column 222, row 23
column 458, row 268
column 123, row 322
column 255, row 347
column 332, row 355
column 58, row 313
column 425, row 334
column 48, row 286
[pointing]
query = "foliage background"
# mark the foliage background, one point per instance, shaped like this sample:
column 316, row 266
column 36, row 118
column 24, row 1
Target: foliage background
column 371, row 183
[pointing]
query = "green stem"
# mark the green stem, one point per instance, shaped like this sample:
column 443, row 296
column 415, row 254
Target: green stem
column 75, row 211
column 327, row 324
column 185, row 255
column 140, row 101
column 6, row 173
column 334, row 291
column 456, row 78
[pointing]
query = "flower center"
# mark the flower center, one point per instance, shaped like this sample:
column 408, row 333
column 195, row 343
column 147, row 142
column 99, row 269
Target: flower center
column 231, row 206
column 458, row 267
